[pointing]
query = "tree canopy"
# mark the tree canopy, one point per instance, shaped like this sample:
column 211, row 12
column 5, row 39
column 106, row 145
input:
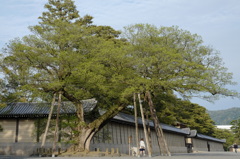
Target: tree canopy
column 67, row 53
column 169, row 58
column 174, row 111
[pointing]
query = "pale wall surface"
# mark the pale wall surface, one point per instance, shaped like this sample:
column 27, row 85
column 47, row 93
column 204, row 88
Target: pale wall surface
column 119, row 136
column 9, row 131
column 113, row 135
column 201, row 145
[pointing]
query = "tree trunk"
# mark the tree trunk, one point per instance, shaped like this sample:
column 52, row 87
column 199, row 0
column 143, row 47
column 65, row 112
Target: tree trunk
column 160, row 136
column 149, row 131
column 144, row 127
column 48, row 121
column 88, row 130
column 56, row 133
column 84, row 139
column 88, row 141
column 82, row 128
column 136, row 123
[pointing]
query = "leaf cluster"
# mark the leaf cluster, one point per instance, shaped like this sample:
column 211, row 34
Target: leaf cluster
column 175, row 111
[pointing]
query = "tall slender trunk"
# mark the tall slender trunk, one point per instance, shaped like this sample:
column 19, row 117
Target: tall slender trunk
column 149, row 131
column 160, row 136
column 48, row 121
column 136, row 122
column 56, row 133
column 144, row 126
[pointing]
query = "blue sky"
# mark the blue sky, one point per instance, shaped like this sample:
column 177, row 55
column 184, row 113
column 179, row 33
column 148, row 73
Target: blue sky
column 217, row 21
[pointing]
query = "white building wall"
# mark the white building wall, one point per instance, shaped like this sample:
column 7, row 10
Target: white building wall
column 120, row 134
column 199, row 145
column 26, row 131
column 9, row 131
column 204, row 145
column 176, row 143
column 215, row 146
column 113, row 135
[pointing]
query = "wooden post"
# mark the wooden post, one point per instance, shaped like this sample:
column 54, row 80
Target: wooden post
column 56, row 133
column 149, row 131
column 129, row 144
column 112, row 151
column 160, row 136
column 144, row 126
column 107, row 152
column 136, row 123
column 48, row 121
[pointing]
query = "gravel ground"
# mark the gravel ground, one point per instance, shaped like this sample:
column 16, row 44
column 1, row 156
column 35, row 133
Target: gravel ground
column 203, row 155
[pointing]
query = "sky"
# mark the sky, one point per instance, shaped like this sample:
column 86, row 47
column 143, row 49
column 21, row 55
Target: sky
column 216, row 21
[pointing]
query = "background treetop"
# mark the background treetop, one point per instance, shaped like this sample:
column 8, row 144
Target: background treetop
column 169, row 58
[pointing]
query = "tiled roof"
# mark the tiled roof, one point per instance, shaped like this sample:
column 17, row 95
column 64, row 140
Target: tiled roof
column 130, row 119
column 126, row 118
column 42, row 109
column 209, row 138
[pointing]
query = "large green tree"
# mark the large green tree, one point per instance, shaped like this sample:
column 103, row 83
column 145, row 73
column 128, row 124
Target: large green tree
column 172, row 59
column 67, row 54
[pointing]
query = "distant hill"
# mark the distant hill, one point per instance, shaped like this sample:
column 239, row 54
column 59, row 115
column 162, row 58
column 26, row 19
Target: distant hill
column 224, row 117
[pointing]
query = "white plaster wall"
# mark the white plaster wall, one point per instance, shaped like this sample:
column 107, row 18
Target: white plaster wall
column 119, row 139
column 199, row 145
column 9, row 131
column 26, row 131
column 216, row 146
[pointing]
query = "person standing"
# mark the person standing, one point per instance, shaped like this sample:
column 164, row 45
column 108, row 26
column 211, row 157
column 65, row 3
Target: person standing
column 142, row 147
column 235, row 146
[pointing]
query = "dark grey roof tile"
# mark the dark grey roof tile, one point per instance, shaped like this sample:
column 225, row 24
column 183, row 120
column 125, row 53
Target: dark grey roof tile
column 27, row 109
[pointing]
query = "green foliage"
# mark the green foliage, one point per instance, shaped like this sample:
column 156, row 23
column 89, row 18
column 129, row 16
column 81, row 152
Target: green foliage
column 224, row 117
column 195, row 117
column 67, row 53
column 40, row 126
column 169, row 58
column 103, row 136
column 67, row 129
column 224, row 134
column 172, row 110
column 236, row 129
column 8, row 94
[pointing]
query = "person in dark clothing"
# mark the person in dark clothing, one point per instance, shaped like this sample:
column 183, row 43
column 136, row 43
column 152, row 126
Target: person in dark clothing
column 235, row 146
